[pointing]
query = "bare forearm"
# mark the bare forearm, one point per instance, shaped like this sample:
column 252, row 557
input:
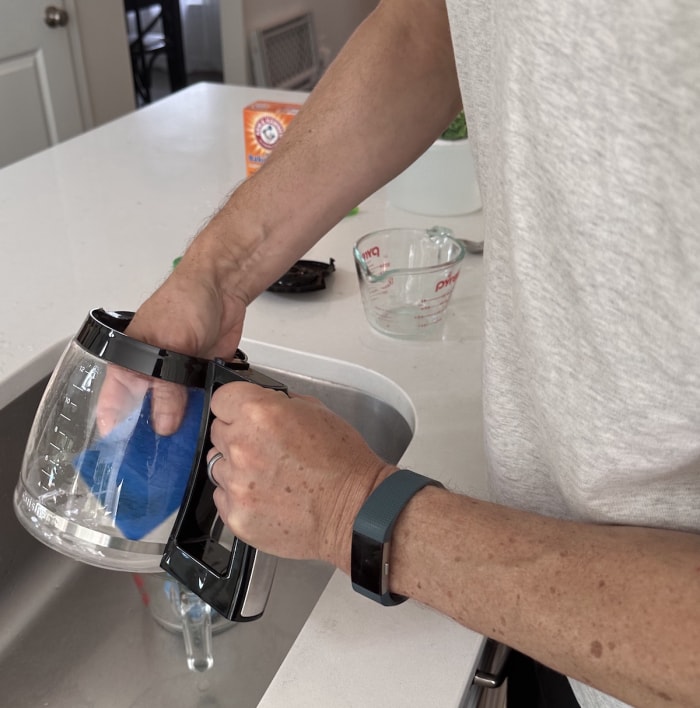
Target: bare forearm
column 617, row 607
column 384, row 100
column 391, row 90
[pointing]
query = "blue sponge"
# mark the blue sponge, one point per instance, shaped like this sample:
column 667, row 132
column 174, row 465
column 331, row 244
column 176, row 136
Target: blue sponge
column 138, row 476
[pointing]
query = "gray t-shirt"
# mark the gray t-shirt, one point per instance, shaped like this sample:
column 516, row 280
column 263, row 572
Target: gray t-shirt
column 584, row 117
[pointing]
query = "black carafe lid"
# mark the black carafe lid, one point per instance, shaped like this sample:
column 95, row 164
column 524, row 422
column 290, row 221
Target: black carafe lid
column 303, row 276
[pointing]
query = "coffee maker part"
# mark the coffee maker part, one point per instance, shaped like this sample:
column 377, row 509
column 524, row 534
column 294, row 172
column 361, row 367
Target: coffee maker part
column 120, row 495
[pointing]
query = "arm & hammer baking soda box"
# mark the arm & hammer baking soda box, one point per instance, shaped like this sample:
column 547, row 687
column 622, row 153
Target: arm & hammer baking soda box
column 264, row 123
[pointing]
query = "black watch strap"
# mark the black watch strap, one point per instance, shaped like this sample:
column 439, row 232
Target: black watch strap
column 371, row 534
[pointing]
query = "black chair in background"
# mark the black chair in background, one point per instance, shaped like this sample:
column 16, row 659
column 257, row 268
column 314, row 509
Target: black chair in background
column 155, row 29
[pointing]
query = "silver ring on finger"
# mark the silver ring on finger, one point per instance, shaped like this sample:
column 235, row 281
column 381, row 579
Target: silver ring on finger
column 210, row 467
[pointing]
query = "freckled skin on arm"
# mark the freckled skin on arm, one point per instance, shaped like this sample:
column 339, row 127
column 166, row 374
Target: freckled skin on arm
column 613, row 606
column 617, row 607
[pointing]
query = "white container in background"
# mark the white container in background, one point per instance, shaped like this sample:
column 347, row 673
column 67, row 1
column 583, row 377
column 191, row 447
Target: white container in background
column 441, row 182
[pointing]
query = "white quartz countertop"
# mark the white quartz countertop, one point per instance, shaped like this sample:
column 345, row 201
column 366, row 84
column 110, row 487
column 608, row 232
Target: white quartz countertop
column 97, row 222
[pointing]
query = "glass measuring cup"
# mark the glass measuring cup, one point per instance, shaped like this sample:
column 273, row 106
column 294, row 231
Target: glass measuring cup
column 406, row 279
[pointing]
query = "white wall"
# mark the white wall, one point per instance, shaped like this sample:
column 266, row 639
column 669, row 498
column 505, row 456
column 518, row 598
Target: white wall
column 335, row 21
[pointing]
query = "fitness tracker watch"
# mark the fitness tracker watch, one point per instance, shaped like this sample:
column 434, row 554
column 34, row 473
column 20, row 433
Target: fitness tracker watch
column 372, row 530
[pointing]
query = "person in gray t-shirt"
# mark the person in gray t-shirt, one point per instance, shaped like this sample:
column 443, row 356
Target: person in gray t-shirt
column 585, row 122
column 584, row 117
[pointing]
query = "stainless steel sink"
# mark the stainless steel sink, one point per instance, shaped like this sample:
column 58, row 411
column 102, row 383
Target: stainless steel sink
column 75, row 636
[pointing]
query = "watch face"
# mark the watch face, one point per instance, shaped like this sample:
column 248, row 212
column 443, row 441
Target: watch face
column 366, row 563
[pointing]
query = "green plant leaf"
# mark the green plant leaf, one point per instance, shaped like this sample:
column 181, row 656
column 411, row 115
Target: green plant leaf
column 457, row 129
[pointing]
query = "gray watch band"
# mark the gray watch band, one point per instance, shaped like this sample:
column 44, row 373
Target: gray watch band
column 372, row 530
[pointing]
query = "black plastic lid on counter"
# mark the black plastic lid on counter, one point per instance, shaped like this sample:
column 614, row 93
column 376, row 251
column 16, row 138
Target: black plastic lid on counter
column 303, row 277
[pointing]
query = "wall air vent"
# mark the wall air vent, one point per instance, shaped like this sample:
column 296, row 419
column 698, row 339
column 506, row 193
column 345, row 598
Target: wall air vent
column 286, row 55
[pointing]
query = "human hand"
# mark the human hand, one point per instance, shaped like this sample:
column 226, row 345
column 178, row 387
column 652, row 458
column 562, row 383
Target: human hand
column 294, row 474
column 189, row 315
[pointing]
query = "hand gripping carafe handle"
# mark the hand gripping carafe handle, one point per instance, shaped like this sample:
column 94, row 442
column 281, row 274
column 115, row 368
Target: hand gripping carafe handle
column 235, row 579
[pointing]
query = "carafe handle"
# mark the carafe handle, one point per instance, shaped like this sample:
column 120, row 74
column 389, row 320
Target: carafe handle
column 196, row 627
column 235, row 581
